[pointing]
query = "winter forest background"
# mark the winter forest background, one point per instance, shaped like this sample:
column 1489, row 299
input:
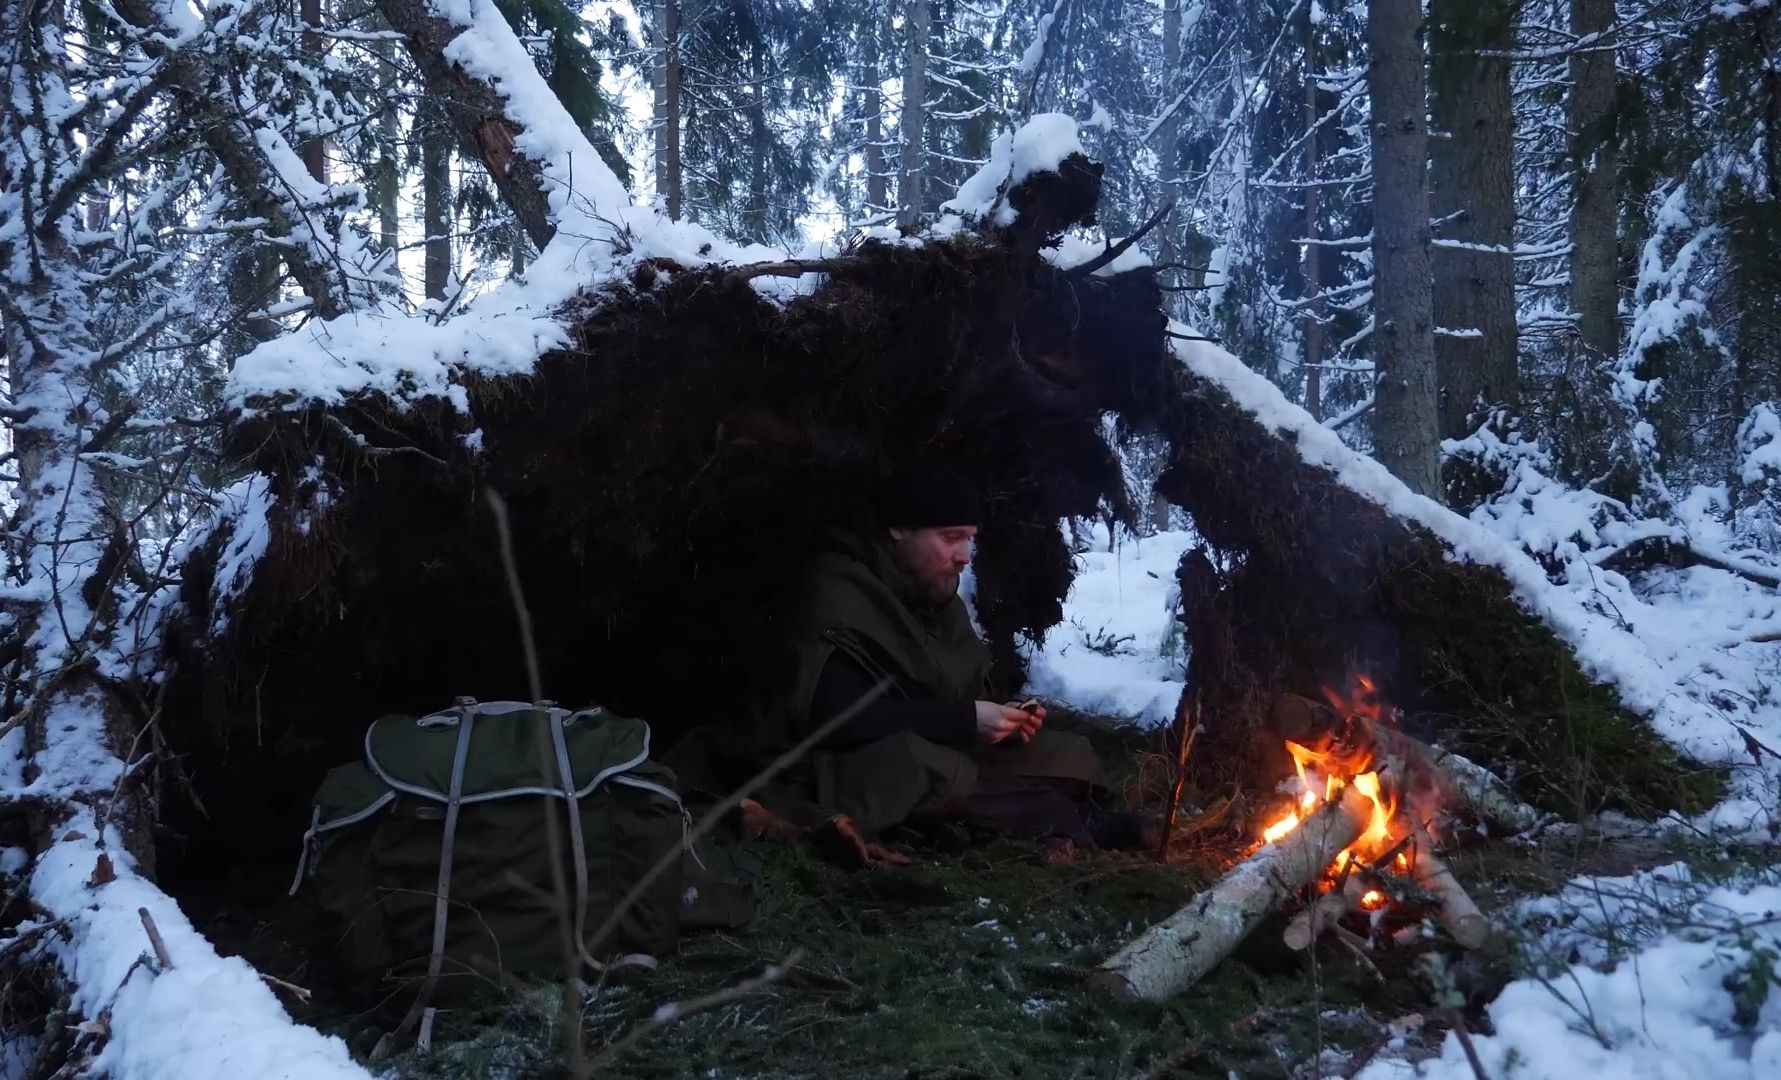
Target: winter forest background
column 1602, row 191
column 1520, row 252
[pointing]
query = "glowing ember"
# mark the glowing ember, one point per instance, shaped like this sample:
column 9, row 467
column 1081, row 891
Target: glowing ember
column 1280, row 828
column 1372, row 900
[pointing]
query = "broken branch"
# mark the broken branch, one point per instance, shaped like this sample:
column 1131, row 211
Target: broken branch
column 154, row 939
column 1116, row 250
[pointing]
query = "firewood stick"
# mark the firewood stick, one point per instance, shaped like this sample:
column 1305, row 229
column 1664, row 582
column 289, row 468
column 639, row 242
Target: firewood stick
column 1308, row 925
column 1488, row 798
column 1175, row 953
column 1456, row 913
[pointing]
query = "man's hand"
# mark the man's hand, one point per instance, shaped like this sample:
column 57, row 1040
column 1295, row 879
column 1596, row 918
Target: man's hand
column 1035, row 717
column 1000, row 722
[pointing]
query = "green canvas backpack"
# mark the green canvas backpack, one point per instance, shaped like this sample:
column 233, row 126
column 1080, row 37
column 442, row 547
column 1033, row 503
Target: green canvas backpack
column 432, row 856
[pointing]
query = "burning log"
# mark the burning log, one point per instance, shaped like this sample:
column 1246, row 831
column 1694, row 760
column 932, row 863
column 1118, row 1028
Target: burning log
column 1487, row 797
column 1175, row 953
column 1413, row 761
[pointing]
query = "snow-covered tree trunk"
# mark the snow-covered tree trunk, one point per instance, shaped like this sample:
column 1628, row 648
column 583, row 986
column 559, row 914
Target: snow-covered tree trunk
column 253, row 158
column 910, row 199
column 1473, row 198
column 389, row 166
column 478, row 109
column 758, row 147
column 1168, row 133
column 315, row 148
column 1404, row 430
column 1595, row 265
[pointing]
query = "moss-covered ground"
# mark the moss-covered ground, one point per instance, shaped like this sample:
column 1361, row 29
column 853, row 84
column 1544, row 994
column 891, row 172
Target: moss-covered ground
column 973, row 964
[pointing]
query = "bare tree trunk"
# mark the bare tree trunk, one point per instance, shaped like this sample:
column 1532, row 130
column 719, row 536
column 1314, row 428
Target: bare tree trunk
column 1168, row 136
column 435, row 199
column 1473, row 196
column 1313, row 263
column 758, row 147
column 910, row 199
column 315, row 148
column 389, row 173
column 1404, row 430
column 877, row 183
column 1595, row 264
column 666, row 78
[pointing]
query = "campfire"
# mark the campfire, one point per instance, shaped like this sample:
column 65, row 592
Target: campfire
column 1355, row 842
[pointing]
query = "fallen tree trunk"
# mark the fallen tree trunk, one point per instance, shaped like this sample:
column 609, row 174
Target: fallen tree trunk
column 1177, row 952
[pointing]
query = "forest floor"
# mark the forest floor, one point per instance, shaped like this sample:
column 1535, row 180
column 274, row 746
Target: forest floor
column 974, row 964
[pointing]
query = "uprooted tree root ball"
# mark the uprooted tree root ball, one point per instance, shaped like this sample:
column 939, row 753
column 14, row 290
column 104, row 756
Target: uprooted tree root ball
column 668, row 475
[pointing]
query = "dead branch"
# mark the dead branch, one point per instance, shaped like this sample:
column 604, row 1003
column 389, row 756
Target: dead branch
column 674, row 1012
column 790, row 268
column 1116, row 250
column 1669, row 551
column 154, row 939
column 1321, row 914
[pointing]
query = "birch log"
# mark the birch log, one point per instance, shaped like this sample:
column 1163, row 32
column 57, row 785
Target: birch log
column 1308, row 925
column 1457, row 914
column 1486, row 797
column 1175, row 953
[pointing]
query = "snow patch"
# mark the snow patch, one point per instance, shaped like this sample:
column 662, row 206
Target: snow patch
column 1074, row 249
column 1116, row 652
column 207, row 1017
column 1039, row 145
column 1664, row 983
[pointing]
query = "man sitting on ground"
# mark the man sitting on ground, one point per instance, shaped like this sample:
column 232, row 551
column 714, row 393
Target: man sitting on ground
column 937, row 745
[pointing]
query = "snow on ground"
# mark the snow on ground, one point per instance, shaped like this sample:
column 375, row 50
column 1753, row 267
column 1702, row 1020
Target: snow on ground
column 1656, row 975
column 206, row 1017
column 1115, row 653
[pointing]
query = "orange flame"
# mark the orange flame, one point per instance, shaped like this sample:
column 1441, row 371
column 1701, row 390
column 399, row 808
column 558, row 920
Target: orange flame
column 1322, row 774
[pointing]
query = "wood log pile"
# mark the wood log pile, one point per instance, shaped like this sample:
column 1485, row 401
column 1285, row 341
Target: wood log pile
column 1394, row 894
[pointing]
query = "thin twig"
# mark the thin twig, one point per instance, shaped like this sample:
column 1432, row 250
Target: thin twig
column 570, row 1018
column 154, row 939
column 676, row 1011
column 730, row 802
column 293, row 989
column 1465, row 1042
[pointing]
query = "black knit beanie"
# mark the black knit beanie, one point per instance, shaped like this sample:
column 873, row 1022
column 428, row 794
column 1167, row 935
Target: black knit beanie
column 923, row 495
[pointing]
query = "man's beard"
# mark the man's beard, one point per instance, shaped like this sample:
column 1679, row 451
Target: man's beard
column 938, row 589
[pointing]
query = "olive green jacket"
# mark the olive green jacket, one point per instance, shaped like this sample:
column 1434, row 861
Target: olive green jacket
column 853, row 601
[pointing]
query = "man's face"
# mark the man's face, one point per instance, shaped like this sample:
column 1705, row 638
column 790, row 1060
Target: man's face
column 934, row 558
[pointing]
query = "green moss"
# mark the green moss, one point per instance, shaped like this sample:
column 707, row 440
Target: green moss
column 969, row 966
column 1518, row 699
